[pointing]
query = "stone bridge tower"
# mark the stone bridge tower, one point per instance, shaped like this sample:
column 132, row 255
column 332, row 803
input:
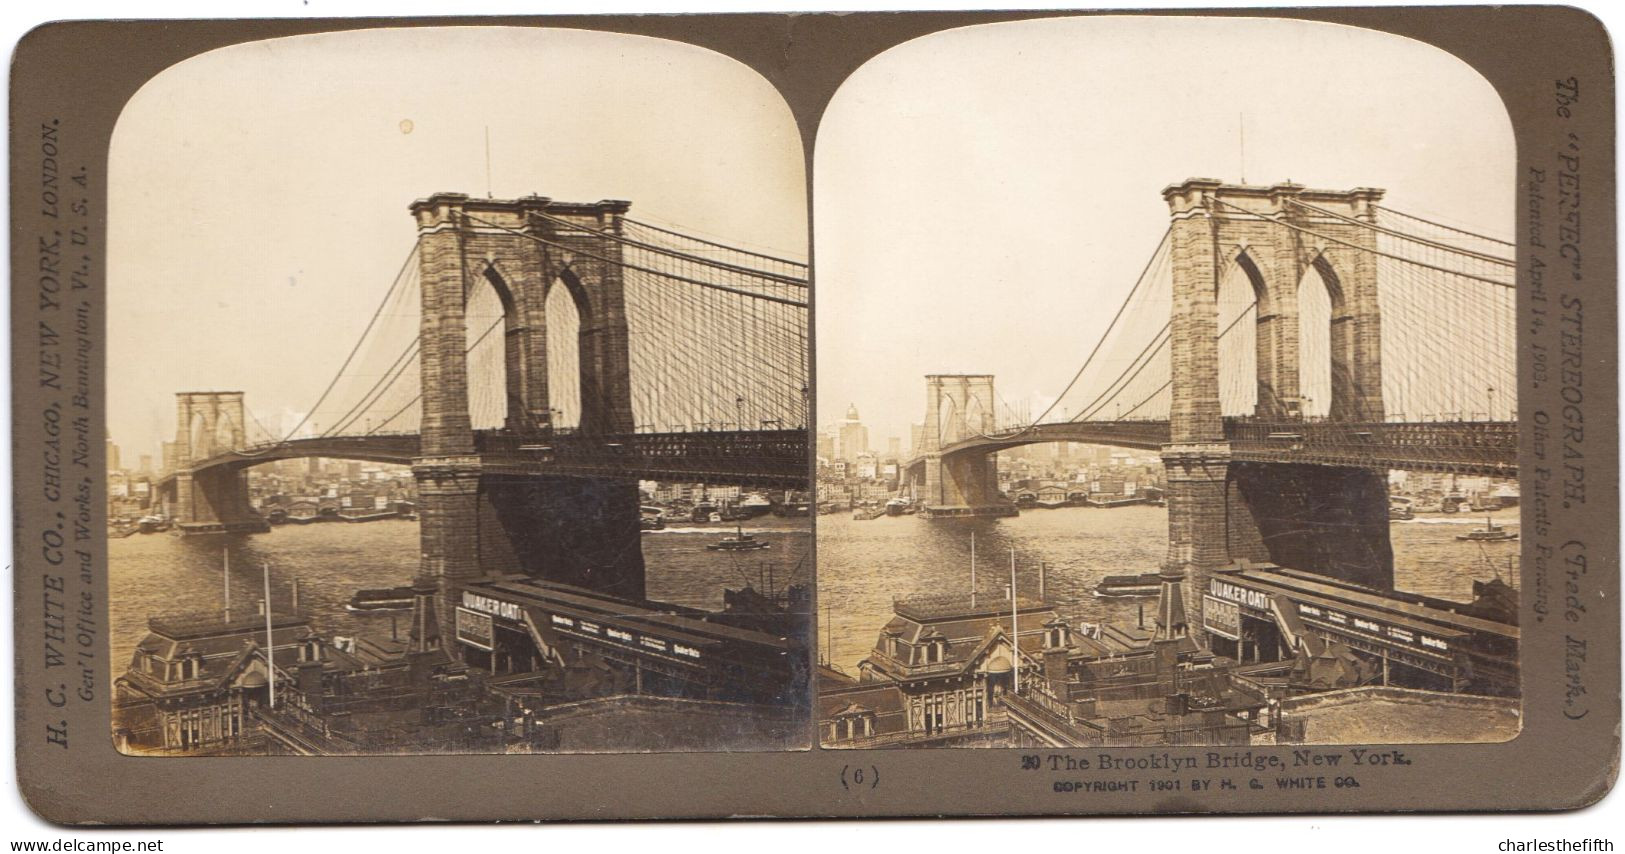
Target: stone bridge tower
column 208, row 423
column 1320, row 519
column 957, row 407
column 478, row 522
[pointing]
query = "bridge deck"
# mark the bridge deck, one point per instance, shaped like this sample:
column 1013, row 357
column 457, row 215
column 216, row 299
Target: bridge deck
column 1464, row 447
column 766, row 458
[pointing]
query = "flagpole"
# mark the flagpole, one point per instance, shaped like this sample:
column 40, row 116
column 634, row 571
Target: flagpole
column 1015, row 631
column 270, row 644
column 225, row 570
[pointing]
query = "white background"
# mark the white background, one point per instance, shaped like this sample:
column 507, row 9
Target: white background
column 1363, row 834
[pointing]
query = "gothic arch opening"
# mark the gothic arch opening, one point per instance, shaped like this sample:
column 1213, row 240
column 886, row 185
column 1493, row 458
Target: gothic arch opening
column 202, row 439
column 1241, row 292
column 225, row 432
column 1323, row 358
column 947, row 422
column 487, row 317
column 567, row 364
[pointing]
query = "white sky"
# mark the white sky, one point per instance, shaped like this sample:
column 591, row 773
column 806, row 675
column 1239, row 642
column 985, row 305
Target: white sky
column 259, row 192
column 985, row 197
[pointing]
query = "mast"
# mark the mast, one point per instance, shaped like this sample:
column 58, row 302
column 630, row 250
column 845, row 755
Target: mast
column 270, row 645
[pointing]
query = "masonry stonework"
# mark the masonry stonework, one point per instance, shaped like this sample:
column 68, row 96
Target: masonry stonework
column 476, row 522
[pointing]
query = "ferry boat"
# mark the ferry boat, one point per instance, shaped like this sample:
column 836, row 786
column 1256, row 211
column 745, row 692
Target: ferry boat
column 753, row 505
column 740, row 542
column 1144, row 584
column 380, row 599
column 1491, row 532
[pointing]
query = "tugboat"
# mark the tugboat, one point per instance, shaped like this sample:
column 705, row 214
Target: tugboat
column 651, row 523
column 1401, row 512
column 740, row 542
column 1490, row 533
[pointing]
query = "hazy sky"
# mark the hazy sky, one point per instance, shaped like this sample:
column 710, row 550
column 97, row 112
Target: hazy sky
column 259, row 192
column 985, row 197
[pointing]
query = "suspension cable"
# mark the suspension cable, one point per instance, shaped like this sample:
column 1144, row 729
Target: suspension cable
column 661, row 250
column 1490, row 259
column 357, row 348
column 662, row 274
column 1446, row 227
column 1099, row 342
column 1379, row 252
column 801, row 264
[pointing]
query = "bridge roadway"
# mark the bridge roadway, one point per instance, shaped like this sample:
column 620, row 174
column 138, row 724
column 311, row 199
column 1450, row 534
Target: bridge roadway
column 760, row 458
column 1450, row 447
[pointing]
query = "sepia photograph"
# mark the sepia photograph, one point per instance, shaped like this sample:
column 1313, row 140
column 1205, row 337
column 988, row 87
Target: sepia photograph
column 1170, row 397
column 458, row 400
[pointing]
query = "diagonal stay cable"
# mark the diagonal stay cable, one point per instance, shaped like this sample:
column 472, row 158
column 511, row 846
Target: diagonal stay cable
column 1160, row 389
column 357, row 348
column 414, row 401
column 1099, row 342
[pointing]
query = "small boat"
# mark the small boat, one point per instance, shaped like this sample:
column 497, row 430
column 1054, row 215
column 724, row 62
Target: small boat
column 740, row 542
column 1144, row 584
column 1490, row 533
column 651, row 523
column 1402, row 512
column 896, row 506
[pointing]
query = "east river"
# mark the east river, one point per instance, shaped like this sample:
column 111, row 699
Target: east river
column 864, row 565
column 154, row 574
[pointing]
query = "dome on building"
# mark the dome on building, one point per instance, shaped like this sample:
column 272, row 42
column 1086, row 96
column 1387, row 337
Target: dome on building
column 852, row 412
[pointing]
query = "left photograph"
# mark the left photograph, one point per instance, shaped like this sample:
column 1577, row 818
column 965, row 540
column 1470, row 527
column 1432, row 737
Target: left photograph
column 458, row 400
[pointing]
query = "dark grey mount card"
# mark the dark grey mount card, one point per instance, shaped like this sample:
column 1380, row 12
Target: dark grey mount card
column 393, row 433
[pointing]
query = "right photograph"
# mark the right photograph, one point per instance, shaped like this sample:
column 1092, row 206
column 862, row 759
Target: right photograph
column 1167, row 390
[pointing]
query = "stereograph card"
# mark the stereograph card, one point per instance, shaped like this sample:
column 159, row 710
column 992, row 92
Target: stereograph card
column 815, row 415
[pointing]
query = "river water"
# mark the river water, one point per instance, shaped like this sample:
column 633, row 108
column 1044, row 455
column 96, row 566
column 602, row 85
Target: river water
column 864, row 565
column 153, row 574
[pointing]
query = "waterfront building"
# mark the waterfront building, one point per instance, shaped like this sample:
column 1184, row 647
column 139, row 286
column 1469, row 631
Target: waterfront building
column 1262, row 613
column 195, row 683
column 944, row 671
